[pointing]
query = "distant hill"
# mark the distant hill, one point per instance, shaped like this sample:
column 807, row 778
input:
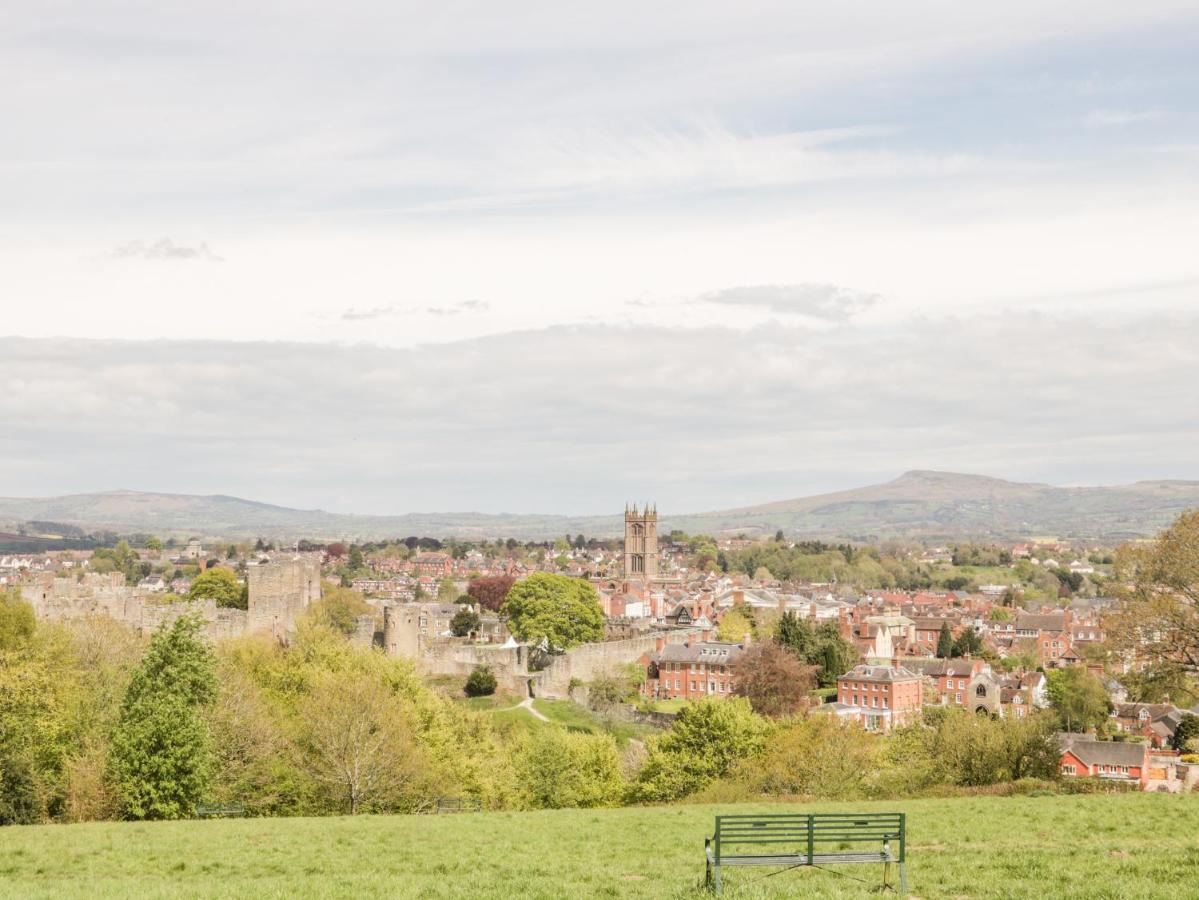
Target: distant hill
column 930, row 506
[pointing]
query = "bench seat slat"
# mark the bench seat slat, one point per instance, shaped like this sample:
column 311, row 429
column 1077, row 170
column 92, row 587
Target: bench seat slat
column 802, row 860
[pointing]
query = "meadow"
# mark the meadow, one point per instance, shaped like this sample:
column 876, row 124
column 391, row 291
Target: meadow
column 1093, row 847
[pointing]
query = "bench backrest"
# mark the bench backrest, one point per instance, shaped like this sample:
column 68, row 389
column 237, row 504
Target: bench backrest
column 805, row 832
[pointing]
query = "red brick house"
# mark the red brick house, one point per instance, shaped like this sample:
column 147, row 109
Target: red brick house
column 882, row 697
column 1083, row 756
column 692, row 670
column 434, row 565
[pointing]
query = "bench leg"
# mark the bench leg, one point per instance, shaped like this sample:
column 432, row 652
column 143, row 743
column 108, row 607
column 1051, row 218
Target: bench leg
column 903, row 878
column 719, row 886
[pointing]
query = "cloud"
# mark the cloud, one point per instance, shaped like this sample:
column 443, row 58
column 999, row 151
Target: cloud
column 820, row 301
column 382, row 312
column 563, row 419
column 164, row 249
column 1106, row 118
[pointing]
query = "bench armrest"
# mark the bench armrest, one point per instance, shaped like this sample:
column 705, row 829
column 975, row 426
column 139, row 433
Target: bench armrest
column 708, row 849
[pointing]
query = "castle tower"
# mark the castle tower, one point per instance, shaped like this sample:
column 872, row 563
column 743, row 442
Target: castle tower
column 641, row 543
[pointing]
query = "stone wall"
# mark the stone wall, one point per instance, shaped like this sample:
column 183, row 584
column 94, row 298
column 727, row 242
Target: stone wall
column 589, row 661
column 279, row 591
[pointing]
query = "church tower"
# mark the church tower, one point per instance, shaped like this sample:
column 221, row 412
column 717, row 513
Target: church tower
column 641, row 543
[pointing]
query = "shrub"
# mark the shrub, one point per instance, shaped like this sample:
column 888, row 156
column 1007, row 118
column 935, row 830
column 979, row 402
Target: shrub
column 464, row 622
column 481, row 683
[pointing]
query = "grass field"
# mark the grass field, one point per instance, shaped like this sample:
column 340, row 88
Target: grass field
column 1092, row 847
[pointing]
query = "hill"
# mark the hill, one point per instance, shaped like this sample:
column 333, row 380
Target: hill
column 1073, row 847
column 921, row 505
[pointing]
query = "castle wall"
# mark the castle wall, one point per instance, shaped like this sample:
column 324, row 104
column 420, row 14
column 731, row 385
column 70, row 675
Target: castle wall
column 279, row 591
column 589, row 661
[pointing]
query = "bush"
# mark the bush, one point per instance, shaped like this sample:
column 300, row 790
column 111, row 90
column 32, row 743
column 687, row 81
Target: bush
column 481, row 683
column 464, row 622
column 18, row 794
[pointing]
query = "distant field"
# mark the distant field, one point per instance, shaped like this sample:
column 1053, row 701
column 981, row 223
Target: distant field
column 1089, row 848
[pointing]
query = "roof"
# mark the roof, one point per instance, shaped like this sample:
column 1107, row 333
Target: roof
column 935, row 668
column 717, row 652
column 1103, row 753
column 1040, row 621
column 880, row 673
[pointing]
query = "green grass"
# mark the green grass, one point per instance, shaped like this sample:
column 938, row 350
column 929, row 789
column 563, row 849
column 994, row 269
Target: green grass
column 667, row 706
column 1073, row 847
column 578, row 718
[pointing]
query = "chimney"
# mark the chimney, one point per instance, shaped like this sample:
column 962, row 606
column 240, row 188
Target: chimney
column 659, row 644
column 738, row 597
column 782, row 605
column 706, row 635
column 747, row 640
column 812, row 612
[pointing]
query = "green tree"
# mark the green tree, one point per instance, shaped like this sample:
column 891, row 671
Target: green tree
column 480, row 683
column 17, row 621
column 707, row 738
column 161, row 755
column 734, row 626
column 1186, row 732
column 19, row 802
column 153, row 543
column 464, row 622
column 1157, row 620
column 356, row 560
column 967, row 643
column 1079, row 698
column 797, row 635
column 219, row 585
column 834, row 654
column 945, row 642
column 339, row 608
column 559, row 769
column 561, row 611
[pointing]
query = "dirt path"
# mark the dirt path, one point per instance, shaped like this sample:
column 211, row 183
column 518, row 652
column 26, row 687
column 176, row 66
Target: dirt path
column 527, row 703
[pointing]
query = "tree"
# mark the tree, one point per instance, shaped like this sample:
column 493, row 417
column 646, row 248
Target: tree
column 339, row 608
column 220, row 585
column 822, row 647
column 773, row 680
column 967, row 643
column 834, row 654
column 796, row 635
column 161, row 751
column 734, row 626
column 357, row 742
column 480, row 683
column 17, row 621
column 945, row 642
column 558, row 769
column 490, row 590
column 447, row 591
column 1186, row 732
column 464, row 622
column 1079, row 698
column 153, row 544
column 819, row 756
column 707, row 738
column 19, row 803
column 1158, row 585
column 356, row 560
column 561, row 611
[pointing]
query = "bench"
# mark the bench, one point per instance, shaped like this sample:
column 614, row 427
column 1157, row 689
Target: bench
column 813, row 839
column 219, row 810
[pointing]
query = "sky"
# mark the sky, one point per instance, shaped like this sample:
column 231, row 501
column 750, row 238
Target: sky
column 550, row 257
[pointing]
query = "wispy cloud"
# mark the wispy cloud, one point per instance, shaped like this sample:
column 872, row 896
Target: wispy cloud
column 820, row 301
column 1107, row 118
column 164, row 249
column 383, row 312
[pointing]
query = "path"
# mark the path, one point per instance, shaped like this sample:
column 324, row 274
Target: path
column 527, row 703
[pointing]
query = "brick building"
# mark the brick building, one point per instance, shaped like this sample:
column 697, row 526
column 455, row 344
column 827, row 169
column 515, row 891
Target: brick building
column 692, row 670
column 883, row 697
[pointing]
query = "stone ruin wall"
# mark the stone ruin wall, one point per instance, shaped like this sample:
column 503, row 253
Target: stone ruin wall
column 279, row 592
column 589, row 661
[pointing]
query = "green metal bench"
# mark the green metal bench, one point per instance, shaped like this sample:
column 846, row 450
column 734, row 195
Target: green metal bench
column 219, row 810
column 814, row 839
column 458, row 804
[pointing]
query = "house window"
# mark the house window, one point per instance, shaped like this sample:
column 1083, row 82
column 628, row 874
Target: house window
column 980, row 691
column 1068, row 769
